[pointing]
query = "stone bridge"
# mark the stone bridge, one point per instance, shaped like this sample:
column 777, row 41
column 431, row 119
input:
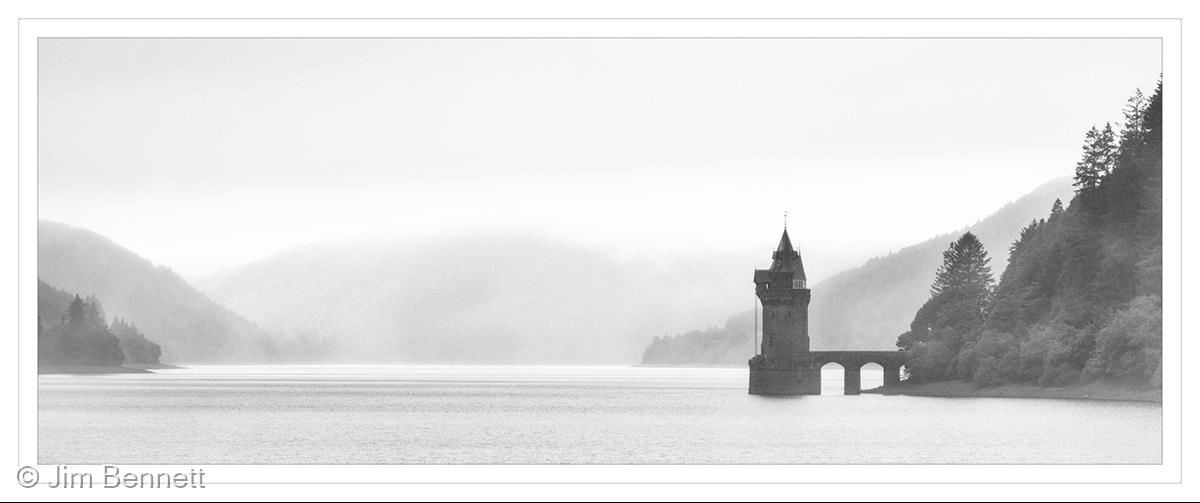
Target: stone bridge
column 853, row 361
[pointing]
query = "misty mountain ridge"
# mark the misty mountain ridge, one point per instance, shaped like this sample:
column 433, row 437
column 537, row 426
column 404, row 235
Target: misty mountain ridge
column 485, row 298
column 491, row 298
column 190, row 327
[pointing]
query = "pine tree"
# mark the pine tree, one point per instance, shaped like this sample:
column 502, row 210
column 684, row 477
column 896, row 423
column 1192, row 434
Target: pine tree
column 1094, row 163
column 954, row 313
column 1056, row 209
column 1106, row 149
column 1135, row 113
column 75, row 312
column 965, row 268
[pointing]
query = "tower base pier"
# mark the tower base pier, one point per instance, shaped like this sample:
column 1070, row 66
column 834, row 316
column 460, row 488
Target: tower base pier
column 790, row 378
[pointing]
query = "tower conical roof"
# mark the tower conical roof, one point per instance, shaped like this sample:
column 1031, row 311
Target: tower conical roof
column 785, row 243
column 787, row 259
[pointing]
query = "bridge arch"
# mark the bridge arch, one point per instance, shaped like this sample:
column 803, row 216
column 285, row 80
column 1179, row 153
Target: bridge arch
column 832, row 386
column 872, row 375
column 853, row 362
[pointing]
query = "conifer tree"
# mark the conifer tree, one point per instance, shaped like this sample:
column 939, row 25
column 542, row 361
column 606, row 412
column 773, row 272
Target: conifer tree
column 954, row 313
column 1094, row 164
column 1106, row 149
column 1056, row 209
column 965, row 270
column 75, row 312
column 1135, row 113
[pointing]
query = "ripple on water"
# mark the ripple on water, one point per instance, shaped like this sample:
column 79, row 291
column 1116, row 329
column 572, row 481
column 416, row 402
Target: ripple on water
column 555, row 414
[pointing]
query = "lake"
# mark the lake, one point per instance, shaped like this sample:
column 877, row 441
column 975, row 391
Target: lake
column 331, row 414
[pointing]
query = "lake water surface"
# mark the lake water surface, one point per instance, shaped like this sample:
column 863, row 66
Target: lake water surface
column 555, row 414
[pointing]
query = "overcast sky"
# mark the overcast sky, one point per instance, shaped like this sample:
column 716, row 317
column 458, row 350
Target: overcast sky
column 204, row 154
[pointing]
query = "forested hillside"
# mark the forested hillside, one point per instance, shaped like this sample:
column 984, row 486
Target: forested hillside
column 865, row 307
column 190, row 327
column 1081, row 296
column 75, row 331
column 727, row 344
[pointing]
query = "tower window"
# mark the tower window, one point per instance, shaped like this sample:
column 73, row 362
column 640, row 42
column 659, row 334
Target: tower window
column 797, row 284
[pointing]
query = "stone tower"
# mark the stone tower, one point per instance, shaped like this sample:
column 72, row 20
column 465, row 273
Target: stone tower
column 784, row 366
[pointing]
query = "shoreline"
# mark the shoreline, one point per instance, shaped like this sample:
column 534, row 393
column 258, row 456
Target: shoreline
column 961, row 389
column 132, row 368
column 88, row 370
column 151, row 366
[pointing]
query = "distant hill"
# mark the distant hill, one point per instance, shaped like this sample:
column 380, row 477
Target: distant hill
column 496, row 298
column 726, row 344
column 866, row 307
column 190, row 327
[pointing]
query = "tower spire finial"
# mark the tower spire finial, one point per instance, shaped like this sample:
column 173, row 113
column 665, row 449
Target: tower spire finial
column 785, row 220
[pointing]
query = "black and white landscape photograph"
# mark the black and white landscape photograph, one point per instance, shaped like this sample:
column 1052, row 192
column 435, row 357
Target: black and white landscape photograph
column 588, row 251
column 890, row 251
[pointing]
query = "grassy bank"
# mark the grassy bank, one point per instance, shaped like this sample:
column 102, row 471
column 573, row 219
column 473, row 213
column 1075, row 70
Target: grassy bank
column 1090, row 391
